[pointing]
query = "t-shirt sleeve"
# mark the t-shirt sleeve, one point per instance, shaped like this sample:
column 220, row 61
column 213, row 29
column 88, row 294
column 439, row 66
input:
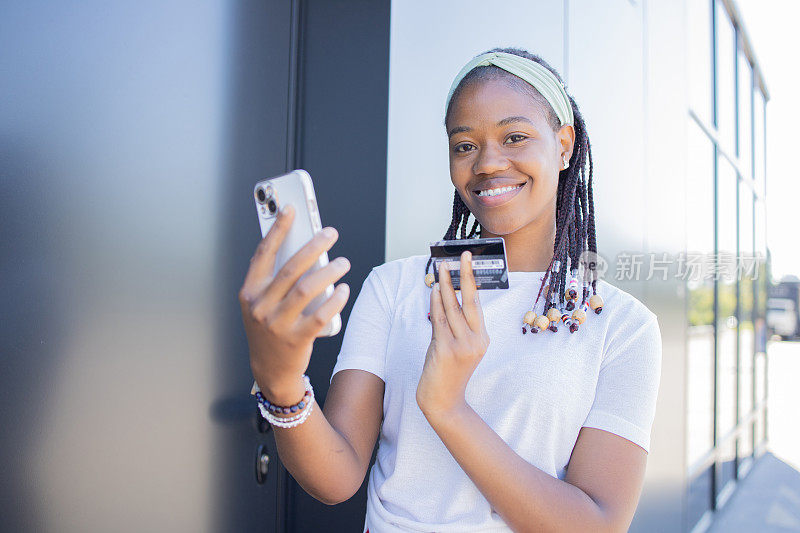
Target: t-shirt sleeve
column 628, row 382
column 367, row 332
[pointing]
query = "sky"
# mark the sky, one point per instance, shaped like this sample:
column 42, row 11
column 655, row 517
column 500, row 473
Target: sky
column 772, row 28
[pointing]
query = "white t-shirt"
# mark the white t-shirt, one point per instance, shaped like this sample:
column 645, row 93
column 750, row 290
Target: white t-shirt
column 535, row 390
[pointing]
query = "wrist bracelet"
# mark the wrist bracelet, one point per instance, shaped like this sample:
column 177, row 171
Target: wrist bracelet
column 269, row 410
column 286, row 422
column 289, row 409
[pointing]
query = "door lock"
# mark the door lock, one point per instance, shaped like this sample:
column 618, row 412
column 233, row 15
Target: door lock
column 262, row 464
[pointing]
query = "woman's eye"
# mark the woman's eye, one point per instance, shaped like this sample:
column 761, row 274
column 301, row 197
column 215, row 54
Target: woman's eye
column 457, row 148
column 516, row 135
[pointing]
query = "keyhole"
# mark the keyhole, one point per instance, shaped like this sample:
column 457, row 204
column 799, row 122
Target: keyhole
column 262, row 464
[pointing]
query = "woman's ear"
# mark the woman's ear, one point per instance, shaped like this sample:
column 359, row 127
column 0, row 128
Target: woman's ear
column 566, row 140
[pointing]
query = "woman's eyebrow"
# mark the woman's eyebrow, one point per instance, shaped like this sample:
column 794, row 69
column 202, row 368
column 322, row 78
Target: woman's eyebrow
column 505, row 122
column 511, row 120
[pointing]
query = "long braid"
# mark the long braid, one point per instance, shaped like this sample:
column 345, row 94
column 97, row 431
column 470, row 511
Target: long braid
column 457, row 216
column 585, row 225
column 592, row 235
column 575, row 214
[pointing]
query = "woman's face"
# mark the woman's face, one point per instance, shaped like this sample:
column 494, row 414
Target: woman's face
column 499, row 137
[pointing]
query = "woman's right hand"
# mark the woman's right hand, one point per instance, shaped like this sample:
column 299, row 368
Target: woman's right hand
column 279, row 335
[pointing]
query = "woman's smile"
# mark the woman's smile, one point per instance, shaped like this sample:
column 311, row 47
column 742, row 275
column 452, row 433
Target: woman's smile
column 493, row 199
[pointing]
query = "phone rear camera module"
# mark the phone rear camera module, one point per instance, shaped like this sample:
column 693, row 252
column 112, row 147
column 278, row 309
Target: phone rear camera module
column 261, row 196
column 273, row 208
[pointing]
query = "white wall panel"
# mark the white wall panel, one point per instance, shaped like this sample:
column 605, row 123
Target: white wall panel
column 606, row 80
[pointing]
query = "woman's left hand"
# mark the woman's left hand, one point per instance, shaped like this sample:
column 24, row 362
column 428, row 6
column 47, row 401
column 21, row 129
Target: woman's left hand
column 458, row 342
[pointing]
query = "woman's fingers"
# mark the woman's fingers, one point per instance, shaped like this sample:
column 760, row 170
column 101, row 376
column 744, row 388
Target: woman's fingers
column 311, row 285
column 312, row 324
column 296, row 266
column 440, row 328
column 452, row 309
column 262, row 263
column 470, row 304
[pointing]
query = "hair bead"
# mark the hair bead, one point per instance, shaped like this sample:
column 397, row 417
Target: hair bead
column 572, row 290
column 596, row 303
column 541, row 322
column 529, row 318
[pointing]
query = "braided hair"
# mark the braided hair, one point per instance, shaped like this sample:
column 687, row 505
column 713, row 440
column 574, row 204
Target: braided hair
column 575, row 223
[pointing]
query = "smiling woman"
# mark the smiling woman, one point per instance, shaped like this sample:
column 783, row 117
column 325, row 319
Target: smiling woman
column 483, row 430
column 480, row 428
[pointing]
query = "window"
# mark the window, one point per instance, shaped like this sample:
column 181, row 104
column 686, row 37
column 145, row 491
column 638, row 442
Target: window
column 725, row 79
column 699, row 58
column 725, row 221
column 745, row 96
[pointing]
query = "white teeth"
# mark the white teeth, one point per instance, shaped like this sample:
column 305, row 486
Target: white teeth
column 495, row 192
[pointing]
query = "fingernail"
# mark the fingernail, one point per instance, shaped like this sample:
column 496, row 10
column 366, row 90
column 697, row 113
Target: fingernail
column 468, row 254
column 436, row 286
column 329, row 232
column 288, row 208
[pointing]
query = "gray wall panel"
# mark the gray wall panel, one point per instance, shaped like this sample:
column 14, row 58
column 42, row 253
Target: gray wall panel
column 343, row 141
column 131, row 135
column 110, row 120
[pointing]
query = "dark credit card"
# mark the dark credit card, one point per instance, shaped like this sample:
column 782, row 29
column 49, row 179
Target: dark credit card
column 489, row 264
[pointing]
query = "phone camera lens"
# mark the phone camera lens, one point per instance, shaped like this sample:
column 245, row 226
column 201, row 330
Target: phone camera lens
column 272, row 207
column 261, row 195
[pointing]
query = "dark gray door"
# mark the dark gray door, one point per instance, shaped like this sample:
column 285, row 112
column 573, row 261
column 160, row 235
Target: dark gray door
column 130, row 137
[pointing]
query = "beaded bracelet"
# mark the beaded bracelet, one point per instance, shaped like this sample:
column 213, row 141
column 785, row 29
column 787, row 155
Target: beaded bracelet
column 289, row 409
column 268, row 409
column 286, row 422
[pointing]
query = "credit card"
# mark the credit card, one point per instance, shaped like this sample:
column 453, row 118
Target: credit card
column 489, row 264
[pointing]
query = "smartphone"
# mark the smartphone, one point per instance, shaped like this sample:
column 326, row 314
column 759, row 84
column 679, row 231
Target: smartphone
column 295, row 188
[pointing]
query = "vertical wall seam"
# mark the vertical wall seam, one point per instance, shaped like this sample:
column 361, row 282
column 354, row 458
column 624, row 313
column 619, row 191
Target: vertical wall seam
column 293, row 158
column 295, row 89
column 565, row 26
column 386, row 220
column 645, row 123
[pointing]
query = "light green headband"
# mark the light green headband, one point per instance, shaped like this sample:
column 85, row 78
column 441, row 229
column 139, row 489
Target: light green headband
column 530, row 71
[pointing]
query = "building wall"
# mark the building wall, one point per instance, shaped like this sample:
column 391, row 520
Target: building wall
column 131, row 135
column 120, row 294
column 109, row 124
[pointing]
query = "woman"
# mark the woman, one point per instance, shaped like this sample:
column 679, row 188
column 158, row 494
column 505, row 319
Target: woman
column 520, row 410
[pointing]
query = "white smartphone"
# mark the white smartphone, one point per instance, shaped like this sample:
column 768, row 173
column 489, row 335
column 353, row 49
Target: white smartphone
column 270, row 196
column 295, row 188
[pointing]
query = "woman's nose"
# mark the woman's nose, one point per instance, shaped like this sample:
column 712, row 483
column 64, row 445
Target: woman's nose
column 490, row 160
